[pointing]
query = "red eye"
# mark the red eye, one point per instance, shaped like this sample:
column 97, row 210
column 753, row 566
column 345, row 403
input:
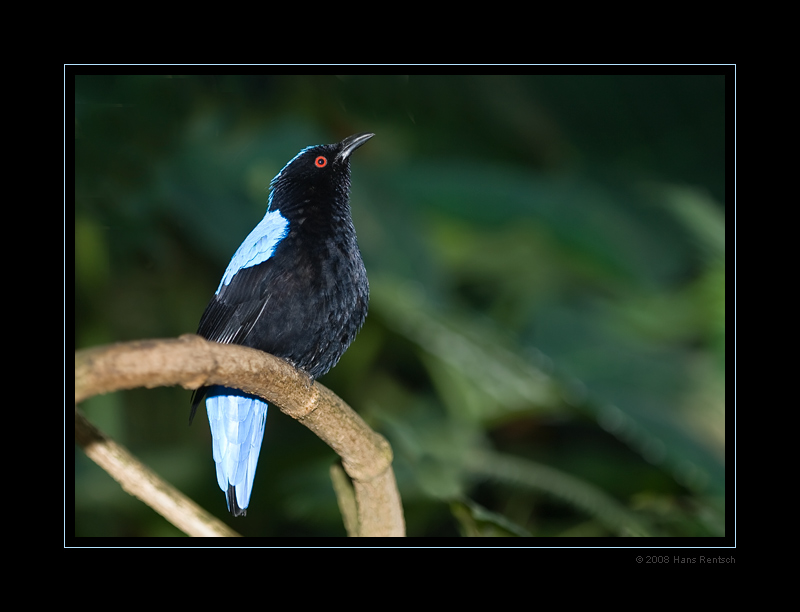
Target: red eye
column 321, row 161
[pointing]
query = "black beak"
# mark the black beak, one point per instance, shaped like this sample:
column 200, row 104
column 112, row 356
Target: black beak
column 351, row 143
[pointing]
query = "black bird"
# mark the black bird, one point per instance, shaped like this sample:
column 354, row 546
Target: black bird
column 295, row 288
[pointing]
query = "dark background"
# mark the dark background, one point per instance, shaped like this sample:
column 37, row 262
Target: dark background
column 545, row 347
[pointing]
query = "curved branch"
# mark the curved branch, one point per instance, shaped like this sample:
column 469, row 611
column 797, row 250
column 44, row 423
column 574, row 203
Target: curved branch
column 191, row 361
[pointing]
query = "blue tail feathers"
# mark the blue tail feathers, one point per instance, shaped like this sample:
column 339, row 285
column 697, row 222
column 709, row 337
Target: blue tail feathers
column 237, row 422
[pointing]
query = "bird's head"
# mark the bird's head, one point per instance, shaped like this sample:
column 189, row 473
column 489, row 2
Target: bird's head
column 318, row 174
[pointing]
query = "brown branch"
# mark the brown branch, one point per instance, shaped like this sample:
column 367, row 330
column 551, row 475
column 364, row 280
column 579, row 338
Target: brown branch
column 346, row 496
column 191, row 362
column 144, row 484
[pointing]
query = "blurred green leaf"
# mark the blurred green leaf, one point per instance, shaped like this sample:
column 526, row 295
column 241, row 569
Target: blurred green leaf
column 545, row 347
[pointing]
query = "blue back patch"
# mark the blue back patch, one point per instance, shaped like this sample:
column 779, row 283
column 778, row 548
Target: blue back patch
column 258, row 246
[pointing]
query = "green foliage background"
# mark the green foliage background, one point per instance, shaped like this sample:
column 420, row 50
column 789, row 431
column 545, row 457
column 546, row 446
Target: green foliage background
column 545, row 347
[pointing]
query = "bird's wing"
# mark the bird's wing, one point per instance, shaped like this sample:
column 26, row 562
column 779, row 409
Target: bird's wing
column 234, row 310
column 241, row 297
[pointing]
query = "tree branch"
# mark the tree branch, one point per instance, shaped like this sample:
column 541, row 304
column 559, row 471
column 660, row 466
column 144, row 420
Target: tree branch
column 191, row 361
column 144, row 484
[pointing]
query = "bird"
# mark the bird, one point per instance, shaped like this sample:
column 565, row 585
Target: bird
column 296, row 288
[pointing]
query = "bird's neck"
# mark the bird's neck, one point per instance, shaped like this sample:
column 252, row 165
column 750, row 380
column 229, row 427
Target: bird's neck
column 312, row 212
